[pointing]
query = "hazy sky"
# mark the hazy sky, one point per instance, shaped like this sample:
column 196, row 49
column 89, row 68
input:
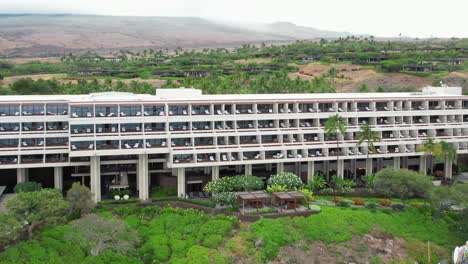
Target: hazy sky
column 417, row 18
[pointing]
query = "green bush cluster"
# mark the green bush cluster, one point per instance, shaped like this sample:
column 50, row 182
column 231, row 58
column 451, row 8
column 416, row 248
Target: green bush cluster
column 172, row 232
column 27, row 187
column 234, row 184
column 288, row 180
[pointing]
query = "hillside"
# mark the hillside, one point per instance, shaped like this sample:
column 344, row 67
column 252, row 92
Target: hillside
column 43, row 35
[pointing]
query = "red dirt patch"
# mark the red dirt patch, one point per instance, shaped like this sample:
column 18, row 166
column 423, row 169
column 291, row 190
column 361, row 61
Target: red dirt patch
column 357, row 250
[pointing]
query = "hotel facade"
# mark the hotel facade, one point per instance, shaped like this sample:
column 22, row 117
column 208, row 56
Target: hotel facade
column 182, row 139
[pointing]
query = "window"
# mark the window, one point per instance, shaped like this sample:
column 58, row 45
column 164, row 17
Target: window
column 106, row 111
column 153, row 110
column 82, row 111
column 35, row 109
column 63, row 141
column 8, row 127
column 130, row 110
column 9, row 110
column 57, row 109
column 8, row 143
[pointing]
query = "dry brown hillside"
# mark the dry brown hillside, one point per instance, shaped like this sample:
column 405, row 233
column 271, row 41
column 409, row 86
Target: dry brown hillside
column 39, row 35
column 351, row 77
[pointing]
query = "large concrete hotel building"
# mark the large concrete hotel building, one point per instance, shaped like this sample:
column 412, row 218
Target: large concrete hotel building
column 182, row 139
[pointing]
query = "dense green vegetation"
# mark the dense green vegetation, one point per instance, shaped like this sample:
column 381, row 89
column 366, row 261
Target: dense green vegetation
column 264, row 70
column 169, row 235
column 130, row 235
column 340, row 224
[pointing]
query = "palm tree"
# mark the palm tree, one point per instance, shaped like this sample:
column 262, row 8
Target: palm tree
column 445, row 151
column 336, row 125
column 428, row 147
column 366, row 134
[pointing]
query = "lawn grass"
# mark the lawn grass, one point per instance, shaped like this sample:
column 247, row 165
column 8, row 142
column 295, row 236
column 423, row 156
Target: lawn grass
column 368, row 200
column 335, row 225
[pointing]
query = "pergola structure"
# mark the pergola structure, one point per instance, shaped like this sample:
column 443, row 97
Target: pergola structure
column 256, row 199
column 288, row 200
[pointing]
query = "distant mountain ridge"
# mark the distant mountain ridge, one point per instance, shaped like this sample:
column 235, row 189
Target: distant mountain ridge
column 41, row 35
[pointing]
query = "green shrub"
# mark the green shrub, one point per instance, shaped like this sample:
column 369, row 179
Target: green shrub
column 120, row 193
column 343, row 203
column 234, row 184
column 308, row 193
column 402, row 183
column 317, row 183
column 277, row 188
column 371, row 205
column 327, row 191
column 212, row 241
column 398, row 207
column 227, row 198
column 27, row 187
column 163, row 192
column 287, row 179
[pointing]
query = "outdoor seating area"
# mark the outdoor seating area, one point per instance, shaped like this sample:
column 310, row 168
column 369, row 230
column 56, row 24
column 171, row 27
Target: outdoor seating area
column 251, row 202
column 288, row 200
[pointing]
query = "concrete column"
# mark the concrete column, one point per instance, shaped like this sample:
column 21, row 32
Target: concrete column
column 310, row 170
column 448, row 168
column 369, row 166
column 396, row 162
column 353, row 168
column 95, row 177
column 143, row 177
column 297, row 168
column 206, row 170
column 379, row 163
column 22, row 175
column 269, row 167
column 404, row 162
column 340, row 169
column 58, row 178
column 279, row 167
column 238, row 168
column 214, row 173
column 326, row 169
column 423, row 165
column 248, row 169
column 181, row 182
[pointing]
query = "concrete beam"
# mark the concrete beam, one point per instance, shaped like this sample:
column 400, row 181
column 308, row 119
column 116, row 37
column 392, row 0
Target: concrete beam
column 95, row 177
column 58, row 178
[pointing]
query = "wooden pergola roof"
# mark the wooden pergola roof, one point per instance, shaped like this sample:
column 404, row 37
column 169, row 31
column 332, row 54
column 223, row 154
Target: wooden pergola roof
column 293, row 195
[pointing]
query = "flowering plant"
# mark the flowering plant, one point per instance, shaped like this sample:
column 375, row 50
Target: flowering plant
column 287, row 179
